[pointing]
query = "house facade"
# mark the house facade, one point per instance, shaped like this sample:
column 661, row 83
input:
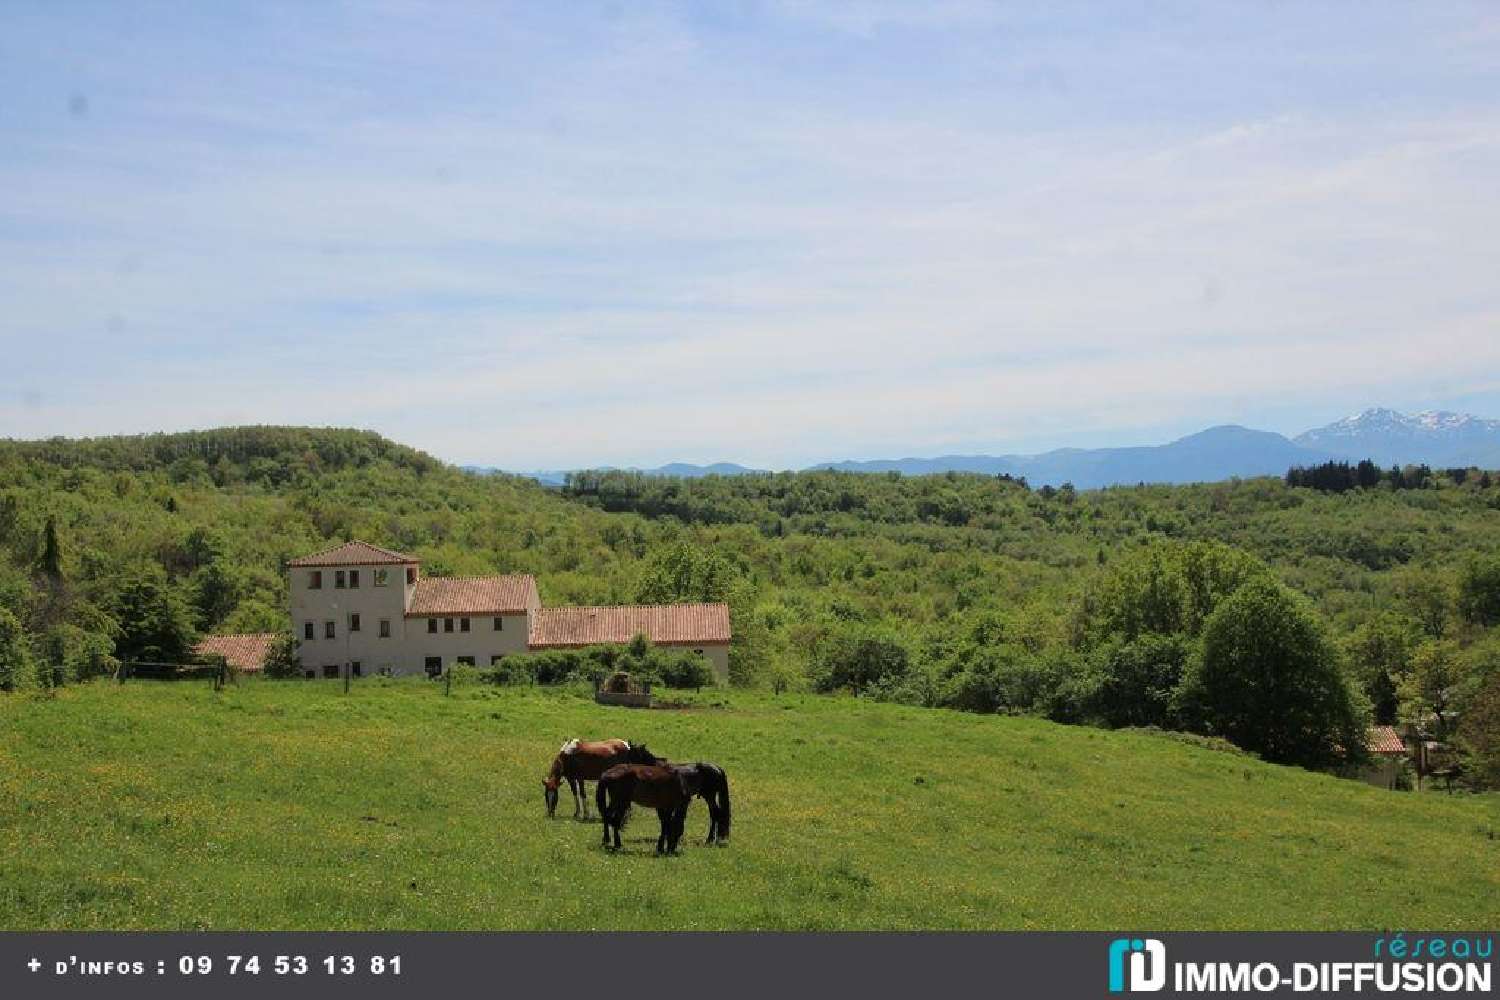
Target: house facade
column 372, row 609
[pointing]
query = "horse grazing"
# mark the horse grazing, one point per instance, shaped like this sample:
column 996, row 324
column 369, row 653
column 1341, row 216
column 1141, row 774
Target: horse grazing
column 669, row 789
column 579, row 761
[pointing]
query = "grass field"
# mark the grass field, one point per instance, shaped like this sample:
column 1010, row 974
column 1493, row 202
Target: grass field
column 290, row 805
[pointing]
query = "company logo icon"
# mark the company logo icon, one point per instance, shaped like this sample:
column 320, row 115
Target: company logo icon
column 1147, row 965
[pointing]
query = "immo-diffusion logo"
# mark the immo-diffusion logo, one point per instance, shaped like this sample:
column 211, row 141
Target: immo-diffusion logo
column 1147, row 965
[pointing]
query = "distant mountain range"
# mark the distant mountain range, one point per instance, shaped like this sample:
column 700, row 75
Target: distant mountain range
column 1439, row 439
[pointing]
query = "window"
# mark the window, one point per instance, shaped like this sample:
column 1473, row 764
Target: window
column 411, row 576
column 338, row 579
column 309, row 630
column 499, row 624
column 434, row 665
column 354, row 669
column 447, row 624
column 385, row 628
column 463, row 624
column 382, row 577
column 432, row 624
column 315, row 580
column 495, row 660
column 354, row 579
column 354, row 623
column 466, row 661
column 328, row 630
column 385, row 671
column 330, row 670
column 309, row 673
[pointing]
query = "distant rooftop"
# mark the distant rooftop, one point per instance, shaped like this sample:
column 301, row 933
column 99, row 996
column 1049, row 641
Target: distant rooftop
column 244, row 652
column 663, row 624
column 473, row 595
column 354, row 554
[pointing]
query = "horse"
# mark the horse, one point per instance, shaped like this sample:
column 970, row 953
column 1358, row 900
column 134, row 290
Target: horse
column 669, row 789
column 579, row 761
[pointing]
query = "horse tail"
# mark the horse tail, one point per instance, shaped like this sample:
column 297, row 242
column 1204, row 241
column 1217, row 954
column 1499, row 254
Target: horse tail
column 721, row 798
column 601, row 798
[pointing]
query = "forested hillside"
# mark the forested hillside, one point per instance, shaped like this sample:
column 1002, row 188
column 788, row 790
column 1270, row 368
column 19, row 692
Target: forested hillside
column 1126, row 606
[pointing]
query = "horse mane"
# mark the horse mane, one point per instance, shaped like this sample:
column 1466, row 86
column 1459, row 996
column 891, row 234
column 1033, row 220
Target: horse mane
column 568, row 746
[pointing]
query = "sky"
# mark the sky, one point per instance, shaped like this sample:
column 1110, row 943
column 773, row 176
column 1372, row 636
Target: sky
column 553, row 235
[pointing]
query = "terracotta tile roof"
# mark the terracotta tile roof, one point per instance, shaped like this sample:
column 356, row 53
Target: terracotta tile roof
column 473, row 595
column 246, row 652
column 1384, row 739
column 353, row 554
column 663, row 624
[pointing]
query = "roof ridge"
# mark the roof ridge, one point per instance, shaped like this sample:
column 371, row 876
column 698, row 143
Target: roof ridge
column 612, row 607
column 391, row 554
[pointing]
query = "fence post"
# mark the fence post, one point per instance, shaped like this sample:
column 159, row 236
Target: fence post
column 448, row 682
column 347, row 671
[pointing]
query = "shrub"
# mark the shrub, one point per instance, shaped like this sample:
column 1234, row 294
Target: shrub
column 283, row 659
column 16, row 668
column 685, row 670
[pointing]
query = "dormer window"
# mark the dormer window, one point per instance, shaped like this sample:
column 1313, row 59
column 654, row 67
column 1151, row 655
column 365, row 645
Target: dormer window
column 315, row 580
column 338, row 579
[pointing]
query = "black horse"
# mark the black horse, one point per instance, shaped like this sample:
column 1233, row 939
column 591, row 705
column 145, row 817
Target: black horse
column 669, row 789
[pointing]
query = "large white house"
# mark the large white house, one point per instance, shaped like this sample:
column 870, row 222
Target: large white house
column 372, row 609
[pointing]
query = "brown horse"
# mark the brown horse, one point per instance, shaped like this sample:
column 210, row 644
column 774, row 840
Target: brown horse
column 579, row 761
column 669, row 789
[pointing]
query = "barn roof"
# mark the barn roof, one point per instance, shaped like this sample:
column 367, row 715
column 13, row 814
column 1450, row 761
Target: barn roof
column 354, row 554
column 473, row 595
column 244, row 652
column 663, row 624
column 1384, row 739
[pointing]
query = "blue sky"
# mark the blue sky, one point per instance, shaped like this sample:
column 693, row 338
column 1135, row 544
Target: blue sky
column 549, row 235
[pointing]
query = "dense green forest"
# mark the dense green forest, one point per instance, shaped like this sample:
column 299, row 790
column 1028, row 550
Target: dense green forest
column 1282, row 614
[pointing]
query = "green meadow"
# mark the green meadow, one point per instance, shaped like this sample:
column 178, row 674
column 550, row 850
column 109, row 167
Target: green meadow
column 291, row 805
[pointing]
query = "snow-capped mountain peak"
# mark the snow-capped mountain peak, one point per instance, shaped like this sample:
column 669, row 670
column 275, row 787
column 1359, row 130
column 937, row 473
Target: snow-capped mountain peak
column 1437, row 437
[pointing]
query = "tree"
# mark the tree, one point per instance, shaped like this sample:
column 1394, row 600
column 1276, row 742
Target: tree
column 1429, row 691
column 1135, row 681
column 1429, row 596
column 1268, row 679
column 1379, row 654
column 51, row 562
column 1479, row 591
column 1479, row 733
column 216, row 591
column 859, row 658
column 685, row 572
column 283, row 658
column 156, row 625
column 16, row 667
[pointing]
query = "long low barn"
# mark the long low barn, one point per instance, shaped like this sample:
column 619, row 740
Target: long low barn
column 371, row 609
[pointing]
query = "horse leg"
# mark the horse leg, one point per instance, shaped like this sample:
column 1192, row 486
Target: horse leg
column 665, row 818
column 679, row 821
column 573, row 787
column 583, row 796
column 601, row 790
